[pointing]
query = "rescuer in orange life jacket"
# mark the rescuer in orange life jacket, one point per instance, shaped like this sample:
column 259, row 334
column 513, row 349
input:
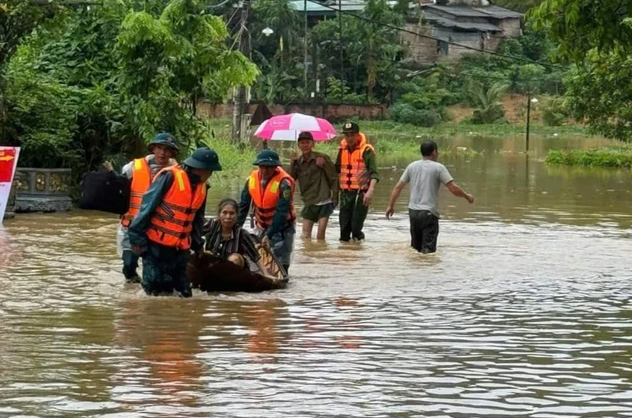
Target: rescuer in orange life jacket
column 270, row 189
column 358, row 176
column 170, row 222
column 141, row 172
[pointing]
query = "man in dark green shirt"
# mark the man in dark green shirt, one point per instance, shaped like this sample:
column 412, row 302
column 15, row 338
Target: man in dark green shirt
column 318, row 181
column 357, row 168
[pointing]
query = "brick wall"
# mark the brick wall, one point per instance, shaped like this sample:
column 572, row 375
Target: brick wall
column 332, row 112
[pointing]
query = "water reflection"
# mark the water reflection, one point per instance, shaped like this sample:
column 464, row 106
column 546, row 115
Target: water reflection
column 524, row 311
column 161, row 346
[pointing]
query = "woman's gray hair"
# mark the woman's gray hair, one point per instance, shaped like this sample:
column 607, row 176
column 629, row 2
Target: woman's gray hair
column 225, row 202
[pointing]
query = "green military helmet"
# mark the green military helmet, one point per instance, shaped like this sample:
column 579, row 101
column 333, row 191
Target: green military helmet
column 166, row 139
column 350, row 127
column 267, row 158
column 204, row 158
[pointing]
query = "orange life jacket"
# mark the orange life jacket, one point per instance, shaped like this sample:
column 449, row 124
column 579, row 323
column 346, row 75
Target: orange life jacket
column 141, row 179
column 265, row 201
column 353, row 172
column 172, row 222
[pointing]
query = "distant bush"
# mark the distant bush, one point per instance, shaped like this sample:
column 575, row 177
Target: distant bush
column 618, row 157
column 406, row 113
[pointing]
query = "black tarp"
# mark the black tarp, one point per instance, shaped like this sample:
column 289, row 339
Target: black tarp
column 105, row 191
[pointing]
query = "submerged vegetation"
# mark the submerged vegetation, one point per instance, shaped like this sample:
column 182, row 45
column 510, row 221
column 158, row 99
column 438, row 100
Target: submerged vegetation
column 616, row 157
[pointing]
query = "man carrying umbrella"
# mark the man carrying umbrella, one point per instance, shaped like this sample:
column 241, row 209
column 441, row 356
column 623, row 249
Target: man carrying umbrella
column 318, row 180
column 270, row 190
column 357, row 168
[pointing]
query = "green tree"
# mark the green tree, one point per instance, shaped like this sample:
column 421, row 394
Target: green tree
column 180, row 56
column 518, row 5
column 597, row 37
column 18, row 19
column 370, row 50
column 280, row 55
column 115, row 75
column 487, row 102
column 579, row 26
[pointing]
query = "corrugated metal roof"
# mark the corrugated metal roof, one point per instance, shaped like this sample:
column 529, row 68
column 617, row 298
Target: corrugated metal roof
column 484, row 11
column 468, row 26
column 499, row 12
column 461, row 11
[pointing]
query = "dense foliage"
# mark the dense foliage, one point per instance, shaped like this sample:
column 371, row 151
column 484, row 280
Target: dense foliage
column 597, row 37
column 107, row 78
column 81, row 83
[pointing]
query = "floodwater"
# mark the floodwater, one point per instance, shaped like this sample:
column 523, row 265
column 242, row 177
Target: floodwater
column 525, row 311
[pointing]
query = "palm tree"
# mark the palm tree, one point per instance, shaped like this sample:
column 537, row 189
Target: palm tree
column 486, row 101
column 378, row 39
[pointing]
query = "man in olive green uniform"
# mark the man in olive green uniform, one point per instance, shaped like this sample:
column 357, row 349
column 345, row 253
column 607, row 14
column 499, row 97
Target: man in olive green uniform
column 357, row 168
column 318, row 181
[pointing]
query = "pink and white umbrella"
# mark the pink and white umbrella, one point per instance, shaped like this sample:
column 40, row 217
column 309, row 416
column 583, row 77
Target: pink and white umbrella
column 288, row 127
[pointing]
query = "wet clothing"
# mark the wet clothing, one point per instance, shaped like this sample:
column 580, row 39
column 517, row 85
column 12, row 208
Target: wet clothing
column 352, row 210
column 164, row 267
column 354, row 173
column 266, row 194
column 282, row 245
column 425, row 177
column 369, row 161
column 317, row 184
column 281, row 231
column 172, row 221
column 164, row 270
column 352, row 215
column 315, row 212
column 280, row 220
column 424, row 230
column 128, row 169
column 130, row 260
column 141, row 179
column 239, row 242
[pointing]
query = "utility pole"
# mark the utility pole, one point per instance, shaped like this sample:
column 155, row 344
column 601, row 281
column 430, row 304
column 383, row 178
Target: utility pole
column 528, row 117
column 305, row 47
column 342, row 66
column 239, row 98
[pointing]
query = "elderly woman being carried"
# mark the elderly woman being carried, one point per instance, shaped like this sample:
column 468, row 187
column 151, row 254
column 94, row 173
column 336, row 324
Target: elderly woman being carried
column 226, row 240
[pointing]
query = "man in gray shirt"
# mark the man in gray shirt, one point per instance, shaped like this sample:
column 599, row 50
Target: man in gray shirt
column 425, row 176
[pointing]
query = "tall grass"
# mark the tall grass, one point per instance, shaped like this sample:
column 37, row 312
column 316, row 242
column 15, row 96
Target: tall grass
column 618, row 157
column 402, row 140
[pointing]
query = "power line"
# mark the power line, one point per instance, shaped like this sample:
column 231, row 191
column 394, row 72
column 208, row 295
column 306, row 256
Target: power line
column 511, row 57
column 506, row 78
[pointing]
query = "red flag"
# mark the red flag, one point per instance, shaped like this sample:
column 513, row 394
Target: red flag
column 7, row 160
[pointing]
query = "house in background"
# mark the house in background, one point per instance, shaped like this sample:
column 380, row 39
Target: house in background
column 445, row 25
column 478, row 25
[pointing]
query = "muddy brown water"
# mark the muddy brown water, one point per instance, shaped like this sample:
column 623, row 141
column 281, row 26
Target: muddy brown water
column 525, row 311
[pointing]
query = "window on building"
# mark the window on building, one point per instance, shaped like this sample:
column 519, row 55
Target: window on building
column 442, row 47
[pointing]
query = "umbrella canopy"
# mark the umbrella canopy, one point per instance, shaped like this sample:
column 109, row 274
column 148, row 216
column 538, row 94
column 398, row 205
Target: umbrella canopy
column 288, row 127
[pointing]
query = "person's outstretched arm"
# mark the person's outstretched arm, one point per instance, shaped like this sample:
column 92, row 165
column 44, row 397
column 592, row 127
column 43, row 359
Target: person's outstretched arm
column 394, row 195
column 458, row 192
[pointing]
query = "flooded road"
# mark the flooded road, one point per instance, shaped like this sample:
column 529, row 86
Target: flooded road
column 524, row 311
